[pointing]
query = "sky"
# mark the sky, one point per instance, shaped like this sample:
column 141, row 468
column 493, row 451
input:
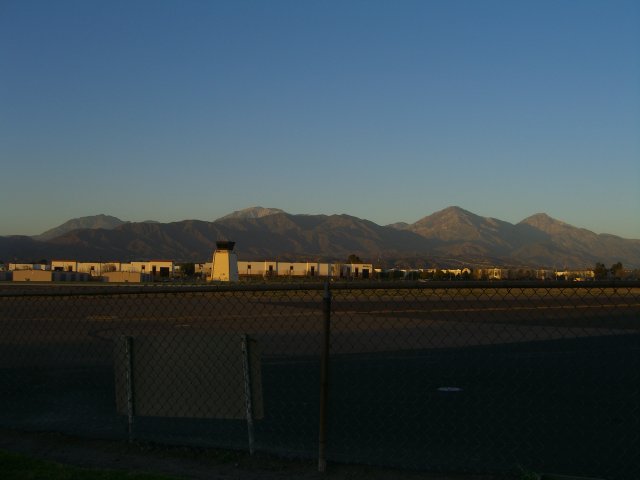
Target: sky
column 385, row 110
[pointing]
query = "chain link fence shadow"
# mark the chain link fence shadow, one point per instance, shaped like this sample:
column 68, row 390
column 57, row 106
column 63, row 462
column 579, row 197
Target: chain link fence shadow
column 438, row 377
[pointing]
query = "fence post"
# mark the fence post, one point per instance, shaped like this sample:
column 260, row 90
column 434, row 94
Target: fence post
column 324, row 377
column 248, row 394
column 129, row 385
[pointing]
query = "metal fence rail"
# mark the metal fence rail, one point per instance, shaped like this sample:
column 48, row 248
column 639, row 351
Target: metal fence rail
column 453, row 376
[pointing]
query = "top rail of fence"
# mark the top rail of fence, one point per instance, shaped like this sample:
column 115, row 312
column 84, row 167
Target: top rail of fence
column 48, row 290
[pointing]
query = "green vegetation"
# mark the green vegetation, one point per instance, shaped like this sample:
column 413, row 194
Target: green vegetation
column 187, row 269
column 353, row 258
column 617, row 271
column 20, row 467
column 600, row 272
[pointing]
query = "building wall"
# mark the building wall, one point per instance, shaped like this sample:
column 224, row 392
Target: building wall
column 492, row 273
column 28, row 266
column 162, row 268
column 286, row 269
column 575, row 275
column 153, row 267
column 304, row 269
column 225, row 266
column 64, row 265
column 110, row 267
column 250, row 268
column 296, row 269
column 49, row 276
column 361, row 270
column 96, row 269
column 126, row 277
column 32, row 275
column 270, row 268
column 312, row 269
column 327, row 270
column 356, row 270
column 140, row 267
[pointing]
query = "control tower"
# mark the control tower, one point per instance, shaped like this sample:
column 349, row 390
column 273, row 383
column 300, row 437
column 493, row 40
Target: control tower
column 225, row 263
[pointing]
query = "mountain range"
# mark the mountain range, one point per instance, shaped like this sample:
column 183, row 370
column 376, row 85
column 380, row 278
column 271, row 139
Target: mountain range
column 96, row 221
column 450, row 237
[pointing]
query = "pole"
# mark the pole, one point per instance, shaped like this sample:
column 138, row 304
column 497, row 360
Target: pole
column 246, row 364
column 129, row 385
column 324, row 378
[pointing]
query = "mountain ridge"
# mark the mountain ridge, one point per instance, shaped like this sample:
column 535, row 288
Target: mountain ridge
column 92, row 221
column 252, row 212
column 449, row 236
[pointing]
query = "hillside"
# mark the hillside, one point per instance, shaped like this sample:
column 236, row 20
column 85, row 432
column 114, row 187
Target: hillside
column 452, row 236
column 90, row 222
column 252, row 212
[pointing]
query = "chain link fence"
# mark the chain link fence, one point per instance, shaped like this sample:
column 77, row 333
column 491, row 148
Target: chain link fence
column 457, row 377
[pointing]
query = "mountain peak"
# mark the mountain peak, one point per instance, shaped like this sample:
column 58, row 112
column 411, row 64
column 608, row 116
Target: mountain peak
column 542, row 221
column 89, row 222
column 450, row 214
column 253, row 212
column 456, row 209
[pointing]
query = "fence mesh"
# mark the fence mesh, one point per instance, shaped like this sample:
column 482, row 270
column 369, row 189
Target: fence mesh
column 433, row 377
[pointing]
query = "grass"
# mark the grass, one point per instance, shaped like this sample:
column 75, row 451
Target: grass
column 21, row 467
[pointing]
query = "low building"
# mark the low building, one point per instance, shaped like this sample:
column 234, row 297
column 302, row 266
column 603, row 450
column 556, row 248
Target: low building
column 457, row 272
column 575, row 275
column 156, row 268
column 272, row 268
column 161, row 268
column 28, row 266
column 542, row 274
column 328, row 269
column 32, row 275
column 298, row 269
column 49, row 276
column 356, row 270
column 126, row 277
column 96, row 269
column 64, row 265
column 92, row 268
column 492, row 274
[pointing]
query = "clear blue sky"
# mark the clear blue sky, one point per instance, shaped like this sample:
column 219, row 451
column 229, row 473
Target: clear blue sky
column 386, row 110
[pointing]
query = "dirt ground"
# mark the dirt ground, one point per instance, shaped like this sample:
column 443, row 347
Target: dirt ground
column 189, row 463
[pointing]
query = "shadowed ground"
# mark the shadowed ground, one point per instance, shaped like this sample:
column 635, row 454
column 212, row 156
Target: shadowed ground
column 474, row 381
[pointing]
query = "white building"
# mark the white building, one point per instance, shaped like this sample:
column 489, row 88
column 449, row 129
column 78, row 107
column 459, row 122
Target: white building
column 356, row 270
column 272, row 268
column 225, row 263
column 97, row 269
column 126, row 277
column 157, row 268
column 28, row 266
column 64, row 265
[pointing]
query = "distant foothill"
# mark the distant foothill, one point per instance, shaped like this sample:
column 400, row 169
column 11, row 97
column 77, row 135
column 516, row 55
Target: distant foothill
column 449, row 239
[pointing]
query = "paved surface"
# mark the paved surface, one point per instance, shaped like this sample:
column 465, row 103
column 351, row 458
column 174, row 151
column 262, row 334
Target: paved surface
column 474, row 382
